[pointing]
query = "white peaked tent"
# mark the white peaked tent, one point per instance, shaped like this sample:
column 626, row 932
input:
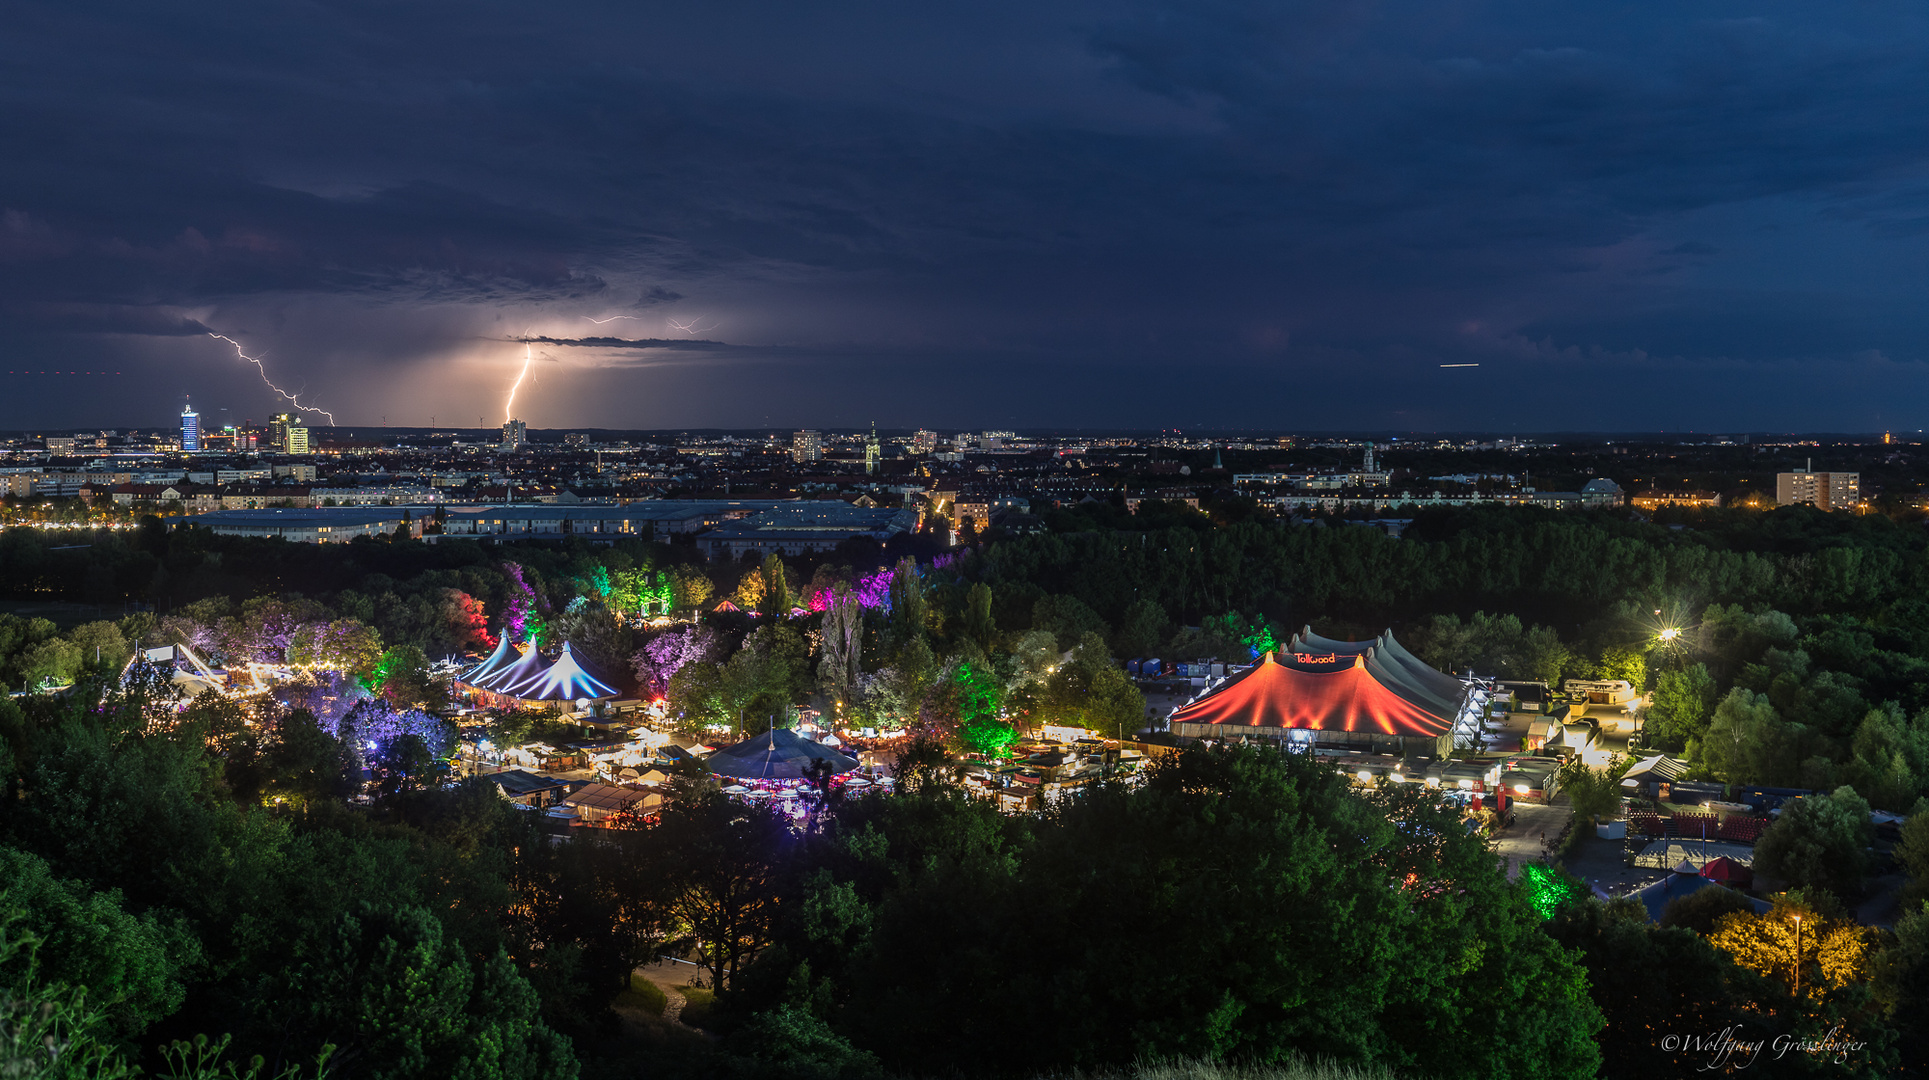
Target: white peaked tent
column 526, row 671
column 504, row 655
column 565, row 680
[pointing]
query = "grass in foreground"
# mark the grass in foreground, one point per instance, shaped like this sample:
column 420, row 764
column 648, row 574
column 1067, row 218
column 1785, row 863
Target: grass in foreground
column 1206, row 1070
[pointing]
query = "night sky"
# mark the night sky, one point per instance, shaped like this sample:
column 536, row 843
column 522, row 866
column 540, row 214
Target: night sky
column 1037, row 215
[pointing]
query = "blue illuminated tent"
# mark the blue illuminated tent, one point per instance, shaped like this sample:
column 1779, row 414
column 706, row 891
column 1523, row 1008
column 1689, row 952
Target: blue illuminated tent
column 504, row 655
column 565, row 680
column 512, row 680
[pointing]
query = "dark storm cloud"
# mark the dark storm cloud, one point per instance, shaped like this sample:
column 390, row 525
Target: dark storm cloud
column 1071, row 199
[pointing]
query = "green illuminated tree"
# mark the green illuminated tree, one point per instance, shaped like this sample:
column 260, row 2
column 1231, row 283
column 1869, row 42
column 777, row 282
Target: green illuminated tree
column 403, row 677
column 981, row 726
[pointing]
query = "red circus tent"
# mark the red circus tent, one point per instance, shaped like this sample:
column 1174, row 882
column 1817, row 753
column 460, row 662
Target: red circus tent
column 1727, row 871
column 1321, row 692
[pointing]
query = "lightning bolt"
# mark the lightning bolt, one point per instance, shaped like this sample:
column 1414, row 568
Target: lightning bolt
column 691, row 326
column 611, row 319
column 509, row 407
column 292, row 399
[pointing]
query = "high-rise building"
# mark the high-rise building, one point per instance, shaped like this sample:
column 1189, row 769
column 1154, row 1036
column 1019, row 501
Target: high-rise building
column 806, row 445
column 924, row 442
column 1827, row 490
column 514, row 434
column 190, row 430
column 278, row 430
column 872, row 451
column 294, row 439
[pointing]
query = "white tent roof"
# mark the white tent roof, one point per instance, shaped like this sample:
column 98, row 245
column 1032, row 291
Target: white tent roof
column 504, row 655
column 511, row 680
column 565, row 680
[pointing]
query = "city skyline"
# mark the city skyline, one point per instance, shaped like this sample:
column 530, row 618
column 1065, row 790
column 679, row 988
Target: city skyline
column 1501, row 218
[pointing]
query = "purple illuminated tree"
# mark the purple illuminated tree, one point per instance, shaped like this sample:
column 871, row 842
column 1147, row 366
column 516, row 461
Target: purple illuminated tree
column 373, row 724
column 329, row 695
column 522, row 612
column 874, row 590
column 664, row 654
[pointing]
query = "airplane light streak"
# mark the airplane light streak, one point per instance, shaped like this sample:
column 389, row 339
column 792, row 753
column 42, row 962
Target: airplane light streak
column 293, row 399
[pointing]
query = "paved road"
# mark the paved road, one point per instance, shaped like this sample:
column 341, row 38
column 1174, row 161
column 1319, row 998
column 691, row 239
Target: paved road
column 1521, row 842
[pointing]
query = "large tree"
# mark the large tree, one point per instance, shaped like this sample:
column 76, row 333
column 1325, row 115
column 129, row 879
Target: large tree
column 722, row 862
column 1820, row 841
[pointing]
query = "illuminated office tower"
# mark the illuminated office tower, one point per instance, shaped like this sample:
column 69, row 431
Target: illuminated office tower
column 190, row 430
column 514, row 434
column 806, row 445
column 294, row 439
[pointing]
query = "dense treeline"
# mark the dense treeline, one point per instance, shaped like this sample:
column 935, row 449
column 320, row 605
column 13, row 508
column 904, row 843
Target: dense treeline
column 435, row 933
column 1238, row 904
column 1563, row 569
column 200, row 876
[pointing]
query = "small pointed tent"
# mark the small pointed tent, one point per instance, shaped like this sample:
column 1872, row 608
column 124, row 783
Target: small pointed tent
column 777, row 754
column 566, row 680
column 526, row 671
column 504, row 655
